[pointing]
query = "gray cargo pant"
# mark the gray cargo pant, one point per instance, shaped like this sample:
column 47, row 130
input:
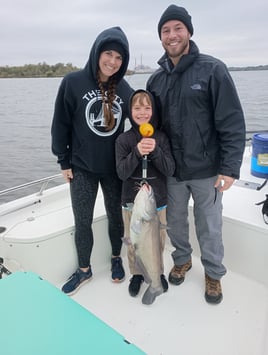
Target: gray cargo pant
column 207, row 211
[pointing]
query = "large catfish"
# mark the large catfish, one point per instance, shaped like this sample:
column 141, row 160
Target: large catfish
column 145, row 237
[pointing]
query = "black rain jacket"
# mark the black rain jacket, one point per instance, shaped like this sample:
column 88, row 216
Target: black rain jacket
column 201, row 113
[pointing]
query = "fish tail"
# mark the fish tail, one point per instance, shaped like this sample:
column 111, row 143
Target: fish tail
column 151, row 294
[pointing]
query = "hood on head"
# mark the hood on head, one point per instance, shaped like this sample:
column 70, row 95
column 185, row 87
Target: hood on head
column 153, row 120
column 113, row 35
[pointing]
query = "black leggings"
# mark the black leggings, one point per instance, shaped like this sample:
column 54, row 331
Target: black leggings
column 84, row 188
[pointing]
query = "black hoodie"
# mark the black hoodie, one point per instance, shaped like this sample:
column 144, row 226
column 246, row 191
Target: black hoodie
column 129, row 161
column 78, row 137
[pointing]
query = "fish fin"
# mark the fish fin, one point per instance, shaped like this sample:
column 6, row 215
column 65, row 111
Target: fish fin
column 150, row 295
column 136, row 227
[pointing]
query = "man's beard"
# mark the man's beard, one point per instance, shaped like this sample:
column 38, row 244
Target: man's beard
column 179, row 53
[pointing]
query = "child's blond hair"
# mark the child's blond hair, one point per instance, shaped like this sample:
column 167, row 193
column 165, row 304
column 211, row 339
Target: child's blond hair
column 140, row 97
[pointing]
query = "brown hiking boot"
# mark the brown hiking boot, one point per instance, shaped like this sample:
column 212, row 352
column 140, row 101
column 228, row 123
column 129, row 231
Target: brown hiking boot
column 177, row 273
column 213, row 292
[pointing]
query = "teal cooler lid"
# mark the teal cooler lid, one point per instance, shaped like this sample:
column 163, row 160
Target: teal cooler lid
column 38, row 319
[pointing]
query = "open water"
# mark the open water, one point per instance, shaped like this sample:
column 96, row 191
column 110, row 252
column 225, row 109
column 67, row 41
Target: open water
column 26, row 109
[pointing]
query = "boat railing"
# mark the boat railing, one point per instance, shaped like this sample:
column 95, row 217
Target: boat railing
column 257, row 131
column 44, row 183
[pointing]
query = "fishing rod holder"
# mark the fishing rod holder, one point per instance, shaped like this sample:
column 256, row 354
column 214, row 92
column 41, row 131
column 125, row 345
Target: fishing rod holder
column 3, row 269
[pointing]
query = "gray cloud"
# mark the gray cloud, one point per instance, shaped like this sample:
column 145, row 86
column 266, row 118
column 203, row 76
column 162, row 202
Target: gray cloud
column 34, row 31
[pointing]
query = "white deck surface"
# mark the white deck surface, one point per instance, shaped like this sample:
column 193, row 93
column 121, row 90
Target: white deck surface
column 180, row 321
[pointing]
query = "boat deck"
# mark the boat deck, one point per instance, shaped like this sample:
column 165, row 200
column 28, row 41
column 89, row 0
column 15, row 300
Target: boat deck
column 39, row 238
column 180, row 321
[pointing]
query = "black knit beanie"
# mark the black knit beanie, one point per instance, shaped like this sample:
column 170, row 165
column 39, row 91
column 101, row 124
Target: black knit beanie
column 113, row 46
column 174, row 12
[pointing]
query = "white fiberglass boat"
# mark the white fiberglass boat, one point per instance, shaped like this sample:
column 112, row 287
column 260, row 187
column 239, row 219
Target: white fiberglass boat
column 37, row 238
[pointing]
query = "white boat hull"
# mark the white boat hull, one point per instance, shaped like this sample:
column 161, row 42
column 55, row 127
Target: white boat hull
column 40, row 238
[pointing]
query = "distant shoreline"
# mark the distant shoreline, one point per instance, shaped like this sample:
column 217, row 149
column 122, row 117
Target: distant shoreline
column 249, row 68
column 43, row 70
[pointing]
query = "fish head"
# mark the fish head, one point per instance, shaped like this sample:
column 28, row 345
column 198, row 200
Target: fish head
column 145, row 202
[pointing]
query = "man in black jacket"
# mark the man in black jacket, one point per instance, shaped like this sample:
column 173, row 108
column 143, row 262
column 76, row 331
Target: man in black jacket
column 201, row 113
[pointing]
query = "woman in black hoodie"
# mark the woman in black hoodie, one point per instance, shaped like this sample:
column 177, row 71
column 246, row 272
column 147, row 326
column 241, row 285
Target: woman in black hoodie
column 130, row 148
column 90, row 110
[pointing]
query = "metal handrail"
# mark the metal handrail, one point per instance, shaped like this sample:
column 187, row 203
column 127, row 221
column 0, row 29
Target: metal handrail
column 44, row 182
column 258, row 131
column 254, row 131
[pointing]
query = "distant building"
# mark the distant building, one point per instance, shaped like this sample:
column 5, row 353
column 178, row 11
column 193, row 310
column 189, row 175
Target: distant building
column 142, row 69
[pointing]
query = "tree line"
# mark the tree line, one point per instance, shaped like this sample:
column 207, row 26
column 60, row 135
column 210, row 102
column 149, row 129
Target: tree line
column 44, row 70
column 40, row 70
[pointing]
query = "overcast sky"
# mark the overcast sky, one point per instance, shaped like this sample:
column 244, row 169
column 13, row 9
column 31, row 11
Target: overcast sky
column 53, row 31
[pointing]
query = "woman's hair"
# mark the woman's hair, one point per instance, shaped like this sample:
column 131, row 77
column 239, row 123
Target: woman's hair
column 140, row 97
column 107, row 101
